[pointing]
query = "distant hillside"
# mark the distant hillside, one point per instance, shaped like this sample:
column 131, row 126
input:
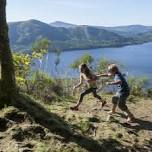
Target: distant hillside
column 130, row 30
column 127, row 31
column 147, row 36
column 23, row 34
column 67, row 36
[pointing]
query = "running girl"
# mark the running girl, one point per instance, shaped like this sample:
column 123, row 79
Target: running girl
column 90, row 79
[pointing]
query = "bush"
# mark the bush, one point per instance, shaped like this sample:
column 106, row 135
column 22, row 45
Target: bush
column 102, row 65
column 22, row 64
column 43, row 87
column 137, row 84
column 86, row 58
column 149, row 92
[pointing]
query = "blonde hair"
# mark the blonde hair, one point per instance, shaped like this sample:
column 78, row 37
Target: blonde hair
column 113, row 68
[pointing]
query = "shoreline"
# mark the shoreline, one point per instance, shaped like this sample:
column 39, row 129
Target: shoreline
column 89, row 48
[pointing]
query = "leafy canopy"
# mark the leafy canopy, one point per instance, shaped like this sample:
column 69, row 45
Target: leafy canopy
column 85, row 58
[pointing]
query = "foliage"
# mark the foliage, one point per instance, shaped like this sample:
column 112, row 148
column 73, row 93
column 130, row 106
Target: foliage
column 35, row 83
column 149, row 92
column 41, row 44
column 85, row 58
column 102, row 65
column 22, row 64
column 40, row 47
column 137, row 84
column 43, row 87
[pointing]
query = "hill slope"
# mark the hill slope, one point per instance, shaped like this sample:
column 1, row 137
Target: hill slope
column 40, row 128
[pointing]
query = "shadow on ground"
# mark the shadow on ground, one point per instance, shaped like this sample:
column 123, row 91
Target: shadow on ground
column 56, row 124
column 59, row 126
column 139, row 124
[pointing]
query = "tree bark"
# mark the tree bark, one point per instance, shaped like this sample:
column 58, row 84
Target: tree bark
column 7, row 87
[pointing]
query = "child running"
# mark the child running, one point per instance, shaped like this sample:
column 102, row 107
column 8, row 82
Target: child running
column 122, row 93
column 90, row 79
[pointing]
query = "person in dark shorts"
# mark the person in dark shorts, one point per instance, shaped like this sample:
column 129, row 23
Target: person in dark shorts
column 122, row 93
column 90, row 79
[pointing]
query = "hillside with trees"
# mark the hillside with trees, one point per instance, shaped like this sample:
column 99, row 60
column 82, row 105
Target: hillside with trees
column 68, row 36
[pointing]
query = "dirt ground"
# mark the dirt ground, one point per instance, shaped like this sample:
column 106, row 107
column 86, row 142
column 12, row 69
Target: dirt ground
column 21, row 131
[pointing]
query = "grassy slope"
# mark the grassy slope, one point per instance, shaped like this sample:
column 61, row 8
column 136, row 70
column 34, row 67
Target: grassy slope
column 54, row 128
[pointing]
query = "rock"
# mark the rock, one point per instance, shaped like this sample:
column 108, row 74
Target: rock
column 28, row 145
column 49, row 136
column 119, row 135
column 17, row 134
column 30, row 131
column 94, row 119
column 25, row 150
column 132, row 132
column 4, row 124
column 54, row 136
column 110, row 118
column 148, row 143
column 17, row 116
column 2, row 137
column 140, row 148
column 92, row 129
column 136, row 140
column 35, row 131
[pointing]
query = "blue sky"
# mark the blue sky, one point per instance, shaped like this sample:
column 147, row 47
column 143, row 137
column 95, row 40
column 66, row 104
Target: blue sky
column 86, row 12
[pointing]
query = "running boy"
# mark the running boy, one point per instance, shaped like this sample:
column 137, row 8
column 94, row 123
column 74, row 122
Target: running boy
column 90, row 79
column 122, row 93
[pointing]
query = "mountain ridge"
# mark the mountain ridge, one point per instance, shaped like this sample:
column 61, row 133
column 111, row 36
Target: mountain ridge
column 62, row 24
column 66, row 36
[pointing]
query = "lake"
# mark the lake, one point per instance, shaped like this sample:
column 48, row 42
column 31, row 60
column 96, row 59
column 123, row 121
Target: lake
column 137, row 60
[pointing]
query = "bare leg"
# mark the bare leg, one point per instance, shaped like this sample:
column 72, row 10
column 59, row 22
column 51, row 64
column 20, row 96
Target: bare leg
column 76, row 106
column 122, row 105
column 113, row 111
column 130, row 115
column 115, row 100
column 81, row 99
column 98, row 97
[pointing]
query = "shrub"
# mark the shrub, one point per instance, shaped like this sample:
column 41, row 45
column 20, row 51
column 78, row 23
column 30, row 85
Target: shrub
column 102, row 65
column 22, row 67
column 85, row 58
column 137, row 84
column 149, row 92
column 45, row 88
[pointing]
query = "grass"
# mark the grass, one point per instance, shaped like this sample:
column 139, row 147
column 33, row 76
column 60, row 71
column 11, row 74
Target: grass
column 85, row 130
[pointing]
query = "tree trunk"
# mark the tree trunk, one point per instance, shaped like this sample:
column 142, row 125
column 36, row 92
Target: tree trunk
column 7, row 87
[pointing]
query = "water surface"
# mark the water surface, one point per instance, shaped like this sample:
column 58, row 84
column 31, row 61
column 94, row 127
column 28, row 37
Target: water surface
column 137, row 60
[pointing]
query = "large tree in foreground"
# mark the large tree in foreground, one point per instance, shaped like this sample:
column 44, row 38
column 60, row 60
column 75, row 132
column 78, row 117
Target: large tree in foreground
column 7, row 86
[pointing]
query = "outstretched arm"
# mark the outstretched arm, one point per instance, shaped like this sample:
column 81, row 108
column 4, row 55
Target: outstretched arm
column 80, row 82
column 114, row 82
column 104, row 75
